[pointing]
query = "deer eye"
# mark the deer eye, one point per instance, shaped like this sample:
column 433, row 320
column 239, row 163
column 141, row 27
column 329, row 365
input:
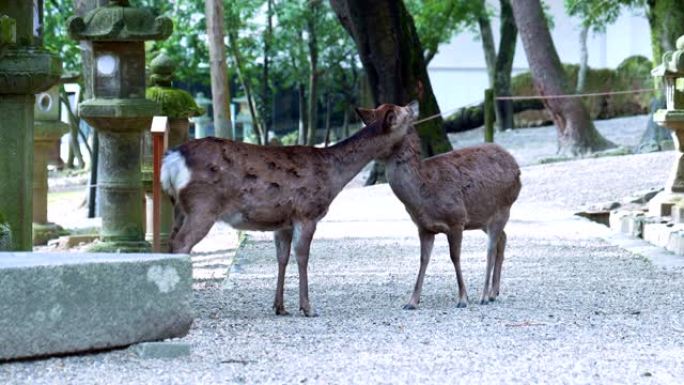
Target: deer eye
column 213, row 168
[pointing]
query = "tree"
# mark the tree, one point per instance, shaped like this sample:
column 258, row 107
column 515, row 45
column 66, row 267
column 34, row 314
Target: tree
column 437, row 21
column 219, row 70
column 576, row 132
column 393, row 60
column 666, row 21
column 499, row 64
column 595, row 16
column 312, row 15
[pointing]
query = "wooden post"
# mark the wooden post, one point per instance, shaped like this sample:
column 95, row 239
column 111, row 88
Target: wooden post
column 489, row 115
column 159, row 137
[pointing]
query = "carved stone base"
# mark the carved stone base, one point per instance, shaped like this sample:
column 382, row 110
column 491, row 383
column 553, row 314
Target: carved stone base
column 661, row 204
column 120, row 247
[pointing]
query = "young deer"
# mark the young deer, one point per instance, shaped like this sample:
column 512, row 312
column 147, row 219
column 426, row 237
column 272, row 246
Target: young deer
column 282, row 189
column 466, row 189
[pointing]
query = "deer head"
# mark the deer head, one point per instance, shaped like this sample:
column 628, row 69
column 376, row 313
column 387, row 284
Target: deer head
column 394, row 120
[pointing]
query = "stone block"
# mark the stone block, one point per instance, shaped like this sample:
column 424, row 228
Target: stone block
column 52, row 303
column 627, row 222
column 675, row 243
column 162, row 349
column 678, row 213
column 658, row 233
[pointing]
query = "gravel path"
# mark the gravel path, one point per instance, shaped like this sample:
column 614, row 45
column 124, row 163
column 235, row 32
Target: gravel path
column 574, row 309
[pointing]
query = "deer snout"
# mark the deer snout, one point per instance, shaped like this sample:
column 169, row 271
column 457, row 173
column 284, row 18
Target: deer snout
column 413, row 108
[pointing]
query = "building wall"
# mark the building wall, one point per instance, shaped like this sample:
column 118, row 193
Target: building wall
column 458, row 72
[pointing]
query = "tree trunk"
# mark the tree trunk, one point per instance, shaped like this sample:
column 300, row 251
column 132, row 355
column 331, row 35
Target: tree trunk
column 237, row 58
column 576, row 132
column 504, row 66
column 219, row 70
column 313, row 71
column 392, row 57
column 468, row 118
column 301, row 93
column 266, row 97
column 487, row 42
column 584, row 59
column 328, row 112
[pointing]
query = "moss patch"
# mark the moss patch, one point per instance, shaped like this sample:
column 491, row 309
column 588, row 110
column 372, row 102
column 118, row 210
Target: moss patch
column 176, row 103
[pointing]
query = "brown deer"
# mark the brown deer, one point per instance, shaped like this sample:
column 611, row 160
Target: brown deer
column 466, row 189
column 282, row 189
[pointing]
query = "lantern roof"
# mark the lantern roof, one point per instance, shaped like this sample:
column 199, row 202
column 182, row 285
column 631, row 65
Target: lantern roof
column 673, row 62
column 118, row 21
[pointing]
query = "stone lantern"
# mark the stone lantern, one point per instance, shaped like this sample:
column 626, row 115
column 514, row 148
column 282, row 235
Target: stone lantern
column 672, row 117
column 25, row 69
column 202, row 122
column 116, row 35
column 178, row 106
column 48, row 129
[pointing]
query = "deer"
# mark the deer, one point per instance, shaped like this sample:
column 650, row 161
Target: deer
column 466, row 189
column 286, row 190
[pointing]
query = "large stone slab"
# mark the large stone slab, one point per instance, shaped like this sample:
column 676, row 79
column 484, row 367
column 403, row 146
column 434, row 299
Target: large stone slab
column 53, row 303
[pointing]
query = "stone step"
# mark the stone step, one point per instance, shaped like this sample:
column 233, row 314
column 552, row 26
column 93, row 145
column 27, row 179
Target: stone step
column 56, row 303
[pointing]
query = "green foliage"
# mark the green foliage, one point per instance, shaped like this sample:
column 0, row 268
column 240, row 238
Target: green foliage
column 55, row 37
column 289, row 139
column 438, row 20
column 597, row 14
column 186, row 45
column 175, row 103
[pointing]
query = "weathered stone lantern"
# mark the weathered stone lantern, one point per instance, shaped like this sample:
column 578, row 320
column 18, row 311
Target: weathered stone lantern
column 202, row 122
column 119, row 111
column 47, row 131
column 672, row 117
column 25, row 69
column 178, row 105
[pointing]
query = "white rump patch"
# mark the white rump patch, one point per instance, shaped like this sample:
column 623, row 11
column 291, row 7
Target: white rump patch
column 175, row 174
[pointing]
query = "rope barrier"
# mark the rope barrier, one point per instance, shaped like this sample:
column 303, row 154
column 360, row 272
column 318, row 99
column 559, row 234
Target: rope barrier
column 567, row 96
column 642, row 90
column 447, row 112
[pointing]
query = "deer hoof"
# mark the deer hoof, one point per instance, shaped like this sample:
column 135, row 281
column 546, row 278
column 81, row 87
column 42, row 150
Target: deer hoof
column 461, row 305
column 410, row 306
column 309, row 313
column 484, row 301
column 280, row 310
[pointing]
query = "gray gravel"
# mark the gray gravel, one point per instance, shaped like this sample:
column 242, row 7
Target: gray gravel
column 574, row 309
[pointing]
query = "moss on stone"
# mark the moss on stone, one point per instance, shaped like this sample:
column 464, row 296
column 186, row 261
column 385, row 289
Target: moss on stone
column 176, row 103
column 5, row 235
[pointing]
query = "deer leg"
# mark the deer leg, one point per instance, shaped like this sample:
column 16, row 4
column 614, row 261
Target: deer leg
column 427, row 240
column 178, row 218
column 496, row 280
column 455, row 236
column 195, row 226
column 493, row 234
column 303, row 234
column 283, row 240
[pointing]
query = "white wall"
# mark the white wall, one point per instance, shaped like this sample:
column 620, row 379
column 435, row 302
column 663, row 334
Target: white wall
column 458, row 72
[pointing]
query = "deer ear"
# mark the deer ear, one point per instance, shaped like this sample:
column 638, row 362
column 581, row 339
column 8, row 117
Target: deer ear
column 389, row 120
column 366, row 115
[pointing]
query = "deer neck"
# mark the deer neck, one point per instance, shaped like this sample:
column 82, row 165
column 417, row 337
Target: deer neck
column 347, row 158
column 404, row 168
